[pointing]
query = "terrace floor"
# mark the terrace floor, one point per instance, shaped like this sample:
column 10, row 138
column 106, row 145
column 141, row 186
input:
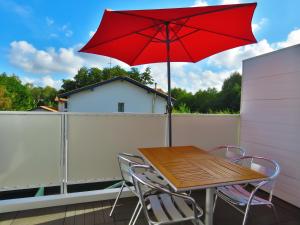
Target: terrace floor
column 98, row 213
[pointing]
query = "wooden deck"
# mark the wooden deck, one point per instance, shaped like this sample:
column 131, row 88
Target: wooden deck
column 96, row 213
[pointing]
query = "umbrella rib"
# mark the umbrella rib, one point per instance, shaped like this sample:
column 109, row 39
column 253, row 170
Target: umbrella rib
column 145, row 35
column 183, row 46
column 143, row 49
column 214, row 32
column 116, row 38
column 140, row 16
column 177, row 37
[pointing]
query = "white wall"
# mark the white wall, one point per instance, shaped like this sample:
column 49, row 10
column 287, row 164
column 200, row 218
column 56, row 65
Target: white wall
column 106, row 98
column 270, row 115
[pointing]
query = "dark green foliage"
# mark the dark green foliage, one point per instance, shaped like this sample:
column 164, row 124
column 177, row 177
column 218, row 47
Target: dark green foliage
column 19, row 94
column 210, row 100
column 44, row 96
column 21, row 97
column 230, row 95
column 90, row 76
column 5, row 101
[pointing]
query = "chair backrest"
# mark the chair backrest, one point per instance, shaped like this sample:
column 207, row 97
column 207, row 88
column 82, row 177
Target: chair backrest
column 268, row 167
column 147, row 189
column 229, row 152
column 125, row 161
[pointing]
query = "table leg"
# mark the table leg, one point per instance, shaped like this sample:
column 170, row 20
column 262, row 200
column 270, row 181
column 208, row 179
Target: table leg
column 209, row 203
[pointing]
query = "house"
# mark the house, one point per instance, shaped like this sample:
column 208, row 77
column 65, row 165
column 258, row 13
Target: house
column 120, row 94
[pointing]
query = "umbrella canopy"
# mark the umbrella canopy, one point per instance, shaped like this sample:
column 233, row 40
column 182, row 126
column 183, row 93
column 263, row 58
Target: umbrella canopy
column 172, row 35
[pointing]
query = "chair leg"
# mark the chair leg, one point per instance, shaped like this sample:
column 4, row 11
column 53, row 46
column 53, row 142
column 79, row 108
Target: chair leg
column 135, row 214
column 215, row 203
column 118, row 196
column 246, row 214
column 275, row 213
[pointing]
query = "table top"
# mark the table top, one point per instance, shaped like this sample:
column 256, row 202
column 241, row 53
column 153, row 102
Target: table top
column 190, row 168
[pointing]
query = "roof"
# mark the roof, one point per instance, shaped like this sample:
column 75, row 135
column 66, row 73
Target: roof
column 132, row 81
column 46, row 108
column 57, row 99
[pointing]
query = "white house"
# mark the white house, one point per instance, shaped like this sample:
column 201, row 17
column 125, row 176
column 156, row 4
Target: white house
column 120, row 94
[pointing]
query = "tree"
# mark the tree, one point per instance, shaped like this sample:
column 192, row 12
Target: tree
column 5, row 102
column 87, row 76
column 206, row 100
column 182, row 98
column 210, row 100
column 230, row 95
column 20, row 95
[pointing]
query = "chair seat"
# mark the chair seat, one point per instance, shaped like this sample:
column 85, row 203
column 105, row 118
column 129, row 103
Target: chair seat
column 237, row 195
column 164, row 208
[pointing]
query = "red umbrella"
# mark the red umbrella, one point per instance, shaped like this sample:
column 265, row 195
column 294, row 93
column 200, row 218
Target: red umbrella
column 172, row 35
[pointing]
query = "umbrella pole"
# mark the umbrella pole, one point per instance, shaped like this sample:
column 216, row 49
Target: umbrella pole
column 169, row 86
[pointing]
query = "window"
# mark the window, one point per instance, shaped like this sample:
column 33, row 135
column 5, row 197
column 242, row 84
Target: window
column 121, row 106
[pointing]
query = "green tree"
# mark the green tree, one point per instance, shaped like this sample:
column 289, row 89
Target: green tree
column 183, row 98
column 230, row 95
column 206, row 100
column 87, row 76
column 20, row 95
column 5, row 102
column 211, row 100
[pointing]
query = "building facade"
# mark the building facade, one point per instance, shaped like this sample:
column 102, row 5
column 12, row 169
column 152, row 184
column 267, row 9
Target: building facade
column 120, row 94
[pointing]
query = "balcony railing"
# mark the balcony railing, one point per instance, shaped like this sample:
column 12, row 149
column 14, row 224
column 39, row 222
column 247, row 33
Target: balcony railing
column 59, row 149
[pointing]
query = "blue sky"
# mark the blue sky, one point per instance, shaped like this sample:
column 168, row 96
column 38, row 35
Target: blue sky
column 40, row 39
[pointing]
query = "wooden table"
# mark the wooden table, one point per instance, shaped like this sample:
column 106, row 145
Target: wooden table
column 190, row 168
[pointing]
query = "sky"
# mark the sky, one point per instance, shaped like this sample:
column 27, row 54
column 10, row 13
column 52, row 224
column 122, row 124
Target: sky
column 40, row 40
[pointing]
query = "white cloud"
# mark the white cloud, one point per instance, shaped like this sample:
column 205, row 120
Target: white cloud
column 258, row 26
column 19, row 9
column 49, row 21
column 27, row 57
column 42, row 81
column 292, row 39
column 226, row 2
column 66, row 30
column 200, row 3
column 52, row 61
column 232, row 59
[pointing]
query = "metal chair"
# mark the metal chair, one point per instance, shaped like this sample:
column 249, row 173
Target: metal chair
column 125, row 161
column 230, row 152
column 242, row 197
column 160, row 205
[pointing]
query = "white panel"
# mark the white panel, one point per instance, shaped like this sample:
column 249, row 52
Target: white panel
column 270, row 115
column 274, row 135
column 205, row 131
column 281, row 86
column 279, row 62
column 284, row 111
column 95, row 140
column 30, row 150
